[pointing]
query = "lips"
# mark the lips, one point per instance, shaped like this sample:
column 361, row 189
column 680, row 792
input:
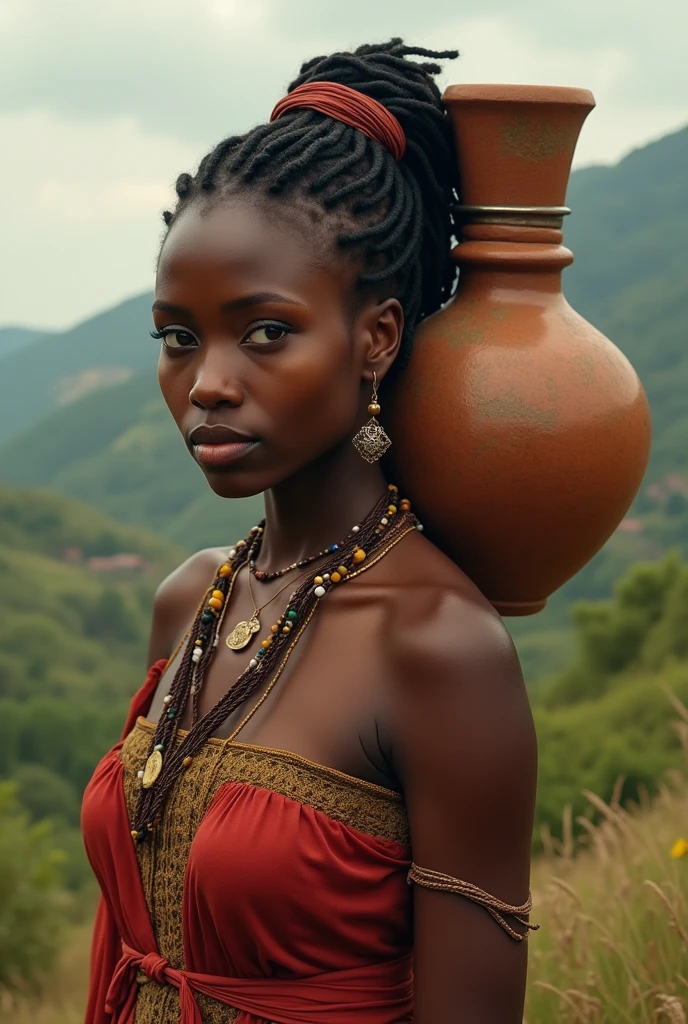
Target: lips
column 217, row 446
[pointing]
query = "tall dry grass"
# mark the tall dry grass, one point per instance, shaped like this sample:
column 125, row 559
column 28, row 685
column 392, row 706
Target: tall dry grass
column 64, row 997
column 613, row 911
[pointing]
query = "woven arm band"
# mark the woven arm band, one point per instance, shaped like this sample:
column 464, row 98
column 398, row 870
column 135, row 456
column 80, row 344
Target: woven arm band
column 446, row 883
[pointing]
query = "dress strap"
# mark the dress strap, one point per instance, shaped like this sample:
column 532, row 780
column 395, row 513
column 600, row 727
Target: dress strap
column 430, row 879
column 141, row 701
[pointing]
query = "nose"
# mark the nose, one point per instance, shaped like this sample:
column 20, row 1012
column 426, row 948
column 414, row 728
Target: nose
column 216, row 383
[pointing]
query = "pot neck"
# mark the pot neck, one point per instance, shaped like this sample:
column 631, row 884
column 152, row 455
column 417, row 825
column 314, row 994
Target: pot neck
column 511, row 255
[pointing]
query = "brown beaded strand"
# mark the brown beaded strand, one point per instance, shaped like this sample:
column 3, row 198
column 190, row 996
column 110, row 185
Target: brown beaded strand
column 204, row 628
column 430, row 879
column 384, row 521
column 196, row 687
column 265, row 577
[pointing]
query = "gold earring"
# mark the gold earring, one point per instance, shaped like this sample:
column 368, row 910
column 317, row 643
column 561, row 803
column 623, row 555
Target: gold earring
column 371, row 442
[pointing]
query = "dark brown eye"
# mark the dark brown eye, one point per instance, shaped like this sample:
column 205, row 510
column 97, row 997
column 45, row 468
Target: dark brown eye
column 174, row 338
column 266, row 334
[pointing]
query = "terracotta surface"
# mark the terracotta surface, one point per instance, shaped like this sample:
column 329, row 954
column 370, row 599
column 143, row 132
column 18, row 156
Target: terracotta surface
column 520, row 431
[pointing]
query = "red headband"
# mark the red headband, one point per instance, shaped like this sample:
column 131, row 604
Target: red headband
column 350, row 106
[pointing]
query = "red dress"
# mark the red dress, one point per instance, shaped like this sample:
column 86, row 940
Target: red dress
column 274, row 890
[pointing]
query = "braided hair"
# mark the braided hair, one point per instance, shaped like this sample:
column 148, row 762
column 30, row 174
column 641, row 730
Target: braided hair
column 394, row 219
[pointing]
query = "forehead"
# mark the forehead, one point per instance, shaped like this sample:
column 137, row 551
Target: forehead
column 236, row 246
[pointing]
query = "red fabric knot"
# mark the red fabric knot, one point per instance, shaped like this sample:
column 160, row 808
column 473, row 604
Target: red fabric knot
column 351, row 107
column 121, row 997
column 154, row 967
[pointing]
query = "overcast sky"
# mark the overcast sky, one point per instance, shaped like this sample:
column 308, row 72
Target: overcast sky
column 104, row 102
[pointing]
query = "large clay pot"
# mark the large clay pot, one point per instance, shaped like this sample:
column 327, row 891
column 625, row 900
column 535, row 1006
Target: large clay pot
column 521, row 433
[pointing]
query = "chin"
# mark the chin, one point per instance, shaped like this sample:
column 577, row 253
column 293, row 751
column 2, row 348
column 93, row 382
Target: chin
column 242, row 478
column 229, row 483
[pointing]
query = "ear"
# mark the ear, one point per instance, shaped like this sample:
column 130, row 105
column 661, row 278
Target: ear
column 379, row 330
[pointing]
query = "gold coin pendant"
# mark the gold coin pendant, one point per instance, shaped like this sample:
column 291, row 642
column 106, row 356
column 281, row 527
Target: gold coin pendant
column 241, row 635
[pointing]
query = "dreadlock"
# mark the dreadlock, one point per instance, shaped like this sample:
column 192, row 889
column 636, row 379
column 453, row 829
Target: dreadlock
column 393, row 218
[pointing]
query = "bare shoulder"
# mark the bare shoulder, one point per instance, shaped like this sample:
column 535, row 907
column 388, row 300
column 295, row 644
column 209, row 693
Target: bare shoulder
column 177, row 597
column 441, row 618
column 462, row 730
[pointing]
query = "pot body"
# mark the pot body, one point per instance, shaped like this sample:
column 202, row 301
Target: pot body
column 521, row 433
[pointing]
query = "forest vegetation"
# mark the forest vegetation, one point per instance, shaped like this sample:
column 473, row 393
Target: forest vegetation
column 73, row 643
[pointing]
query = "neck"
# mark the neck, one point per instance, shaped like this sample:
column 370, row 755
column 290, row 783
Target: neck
column 318, row 506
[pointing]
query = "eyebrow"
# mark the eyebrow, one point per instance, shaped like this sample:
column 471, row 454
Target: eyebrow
column 244, row 301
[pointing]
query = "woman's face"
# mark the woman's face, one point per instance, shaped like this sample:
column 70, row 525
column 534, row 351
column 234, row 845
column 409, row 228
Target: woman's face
column 261, row 365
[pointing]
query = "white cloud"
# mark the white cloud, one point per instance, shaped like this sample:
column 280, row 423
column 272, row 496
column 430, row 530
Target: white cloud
column 103, row 103
column 193, row 71
column 83, row 225
column 199, row 71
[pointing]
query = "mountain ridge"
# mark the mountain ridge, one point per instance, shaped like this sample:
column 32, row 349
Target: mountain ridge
column 30, row 376
column 14, row 338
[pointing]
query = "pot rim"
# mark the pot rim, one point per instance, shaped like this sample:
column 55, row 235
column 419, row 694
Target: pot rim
column 504, row 93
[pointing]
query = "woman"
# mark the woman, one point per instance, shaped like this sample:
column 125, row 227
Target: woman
column 333, row 710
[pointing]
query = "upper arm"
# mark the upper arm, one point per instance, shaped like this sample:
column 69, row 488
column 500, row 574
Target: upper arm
column 466, row 752
column 177, row 599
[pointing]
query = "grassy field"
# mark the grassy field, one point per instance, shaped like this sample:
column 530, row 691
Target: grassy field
column 65, row 996
column 613, row 909
column 613, row 941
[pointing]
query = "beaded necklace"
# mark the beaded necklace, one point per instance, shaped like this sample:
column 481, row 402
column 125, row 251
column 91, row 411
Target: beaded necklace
column 387, row 523
column 265, row 577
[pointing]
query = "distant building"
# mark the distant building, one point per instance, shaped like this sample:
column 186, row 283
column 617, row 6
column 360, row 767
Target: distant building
column 72, row 554
column 115, row 563
column 672, row 483
column 630, row 526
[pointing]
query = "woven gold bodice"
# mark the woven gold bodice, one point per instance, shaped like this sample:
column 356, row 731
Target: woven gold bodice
column 162, row 859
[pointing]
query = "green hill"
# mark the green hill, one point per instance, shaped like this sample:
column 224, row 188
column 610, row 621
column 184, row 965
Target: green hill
column 118, row 449
column 629, row 231
column 75, row 596
column 12, row 339
column 59, row 368
column 607, row 714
